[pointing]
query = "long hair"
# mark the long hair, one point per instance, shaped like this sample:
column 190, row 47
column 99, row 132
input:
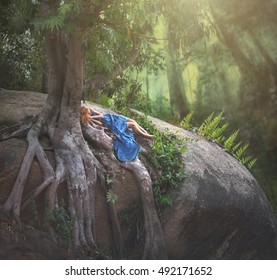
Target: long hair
column 84, row 115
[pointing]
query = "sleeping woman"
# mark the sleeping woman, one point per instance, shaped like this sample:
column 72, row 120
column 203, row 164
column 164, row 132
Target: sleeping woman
column 122, row 128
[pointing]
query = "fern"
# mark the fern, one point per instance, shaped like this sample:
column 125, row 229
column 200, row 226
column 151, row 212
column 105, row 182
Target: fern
column 51, row 23
column 212, row 126
column 185, row 123
column 221, row 139
column 217, row 133
column 251, row 163
column 236, row 147
column 211, row 129
column 111, row 197
column 203, row 127
column 230, row 141
column 245, row 160
column 65, row 9
column 241, row 151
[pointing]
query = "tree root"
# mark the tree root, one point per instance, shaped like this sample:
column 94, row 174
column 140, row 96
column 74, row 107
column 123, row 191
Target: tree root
column 17, row 130
column 154, row 243
column 77, row 166
column 13, row 203
column 154, row 247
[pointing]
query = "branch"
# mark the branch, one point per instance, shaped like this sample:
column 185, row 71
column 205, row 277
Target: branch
column 100, row 80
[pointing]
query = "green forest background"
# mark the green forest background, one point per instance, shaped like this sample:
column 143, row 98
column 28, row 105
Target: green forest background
column 171, row 59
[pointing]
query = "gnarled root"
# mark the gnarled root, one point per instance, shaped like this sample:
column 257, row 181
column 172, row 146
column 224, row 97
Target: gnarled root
column 154, row 247
column 77, row 166
column 74, row 165
column 13, row 203
column 101, row 140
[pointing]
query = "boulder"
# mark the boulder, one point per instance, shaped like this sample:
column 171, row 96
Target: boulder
column 220, row 212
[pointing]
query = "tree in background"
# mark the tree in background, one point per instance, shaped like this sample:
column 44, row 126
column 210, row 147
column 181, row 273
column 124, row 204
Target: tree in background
column 231, row 48
column 21, row 50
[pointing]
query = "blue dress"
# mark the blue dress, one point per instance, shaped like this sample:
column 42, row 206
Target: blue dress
column 125, row 146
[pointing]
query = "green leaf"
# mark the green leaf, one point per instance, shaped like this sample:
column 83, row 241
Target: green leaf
column 251, row 163
column 65, row 8
column 241, row 151
column 111, row 197
column 185, row 123
column 230, row 141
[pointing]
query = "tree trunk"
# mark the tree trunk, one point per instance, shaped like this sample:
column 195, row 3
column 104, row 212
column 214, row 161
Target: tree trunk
column 76, row 165
column 178, row 100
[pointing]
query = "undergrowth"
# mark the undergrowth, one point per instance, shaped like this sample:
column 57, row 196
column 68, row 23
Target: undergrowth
column 60, row 220
column 213, row 129
column 165, row 157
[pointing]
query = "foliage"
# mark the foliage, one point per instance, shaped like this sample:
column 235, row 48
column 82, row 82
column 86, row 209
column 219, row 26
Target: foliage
column 129, row 95
column 165, row 157
column 21, row 50
column 229, row 142
column 186, row 121
column 111, row 197
column 61, row 221
column 212, row 130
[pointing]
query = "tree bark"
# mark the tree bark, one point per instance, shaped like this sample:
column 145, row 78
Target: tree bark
column 75, row 165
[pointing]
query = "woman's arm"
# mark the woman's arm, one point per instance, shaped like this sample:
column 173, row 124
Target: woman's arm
column 96, row 122
column 95, row 114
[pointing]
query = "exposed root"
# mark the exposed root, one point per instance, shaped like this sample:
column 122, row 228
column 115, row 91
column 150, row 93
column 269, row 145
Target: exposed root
column 154, row 243
column 17, row 130
column 154, row 247
column 100, row 139
column 13, row 203
column 77, row 166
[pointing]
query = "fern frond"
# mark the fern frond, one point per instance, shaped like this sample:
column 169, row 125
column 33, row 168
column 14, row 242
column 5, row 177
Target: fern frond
column 201, row 130
column 217, row 134
column 210, row 129
column 240, row 152
column 245, row 160
column 236, row 146
column 185, row 123
column 251, row 163
column 212, row 126
column 65, row 8
column 221, row 139
column 230, row 141
column 51, row 23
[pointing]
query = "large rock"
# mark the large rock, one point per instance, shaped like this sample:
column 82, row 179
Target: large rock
column 17, row 105
column 221, row 211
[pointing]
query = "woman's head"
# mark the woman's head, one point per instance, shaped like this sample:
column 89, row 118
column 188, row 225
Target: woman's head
column 84, row 114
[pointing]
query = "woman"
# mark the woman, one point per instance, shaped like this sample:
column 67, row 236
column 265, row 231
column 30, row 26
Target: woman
column 123, row 129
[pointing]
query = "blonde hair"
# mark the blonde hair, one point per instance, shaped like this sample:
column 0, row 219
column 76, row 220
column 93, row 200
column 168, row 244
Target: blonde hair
column 84, row 114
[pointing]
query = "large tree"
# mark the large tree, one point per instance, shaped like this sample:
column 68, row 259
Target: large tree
column 68, row 27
